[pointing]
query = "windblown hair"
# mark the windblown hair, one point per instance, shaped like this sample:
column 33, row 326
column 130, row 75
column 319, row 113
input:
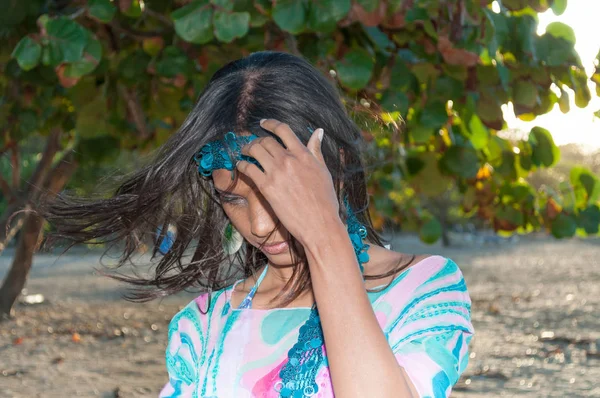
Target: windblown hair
column 170, row 191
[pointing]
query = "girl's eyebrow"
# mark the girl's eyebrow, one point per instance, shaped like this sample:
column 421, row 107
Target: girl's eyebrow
column 224, row 192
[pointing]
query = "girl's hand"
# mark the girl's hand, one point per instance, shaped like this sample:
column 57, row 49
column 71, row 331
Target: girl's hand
column 295, row 181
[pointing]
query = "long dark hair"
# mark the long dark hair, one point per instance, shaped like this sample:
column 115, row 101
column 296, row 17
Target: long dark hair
column 170, row 191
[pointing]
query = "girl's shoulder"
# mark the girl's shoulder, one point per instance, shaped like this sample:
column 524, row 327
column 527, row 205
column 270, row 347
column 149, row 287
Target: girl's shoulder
column 201, row 310
column 425, row 270
column 434, row 277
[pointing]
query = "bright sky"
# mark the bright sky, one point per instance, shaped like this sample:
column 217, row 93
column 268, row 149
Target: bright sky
column 579, row 125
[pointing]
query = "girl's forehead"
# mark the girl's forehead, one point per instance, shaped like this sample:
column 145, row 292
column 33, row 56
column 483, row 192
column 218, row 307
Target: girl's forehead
column 222, row 181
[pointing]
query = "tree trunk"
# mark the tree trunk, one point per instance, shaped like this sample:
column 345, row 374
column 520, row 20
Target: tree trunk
column 13, row 217
column 31, row 237
column 445, row 238
column 11, row 222
column 17, row 276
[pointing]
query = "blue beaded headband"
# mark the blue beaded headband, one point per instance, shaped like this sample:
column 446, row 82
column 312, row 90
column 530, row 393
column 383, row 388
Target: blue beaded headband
column 214, row 154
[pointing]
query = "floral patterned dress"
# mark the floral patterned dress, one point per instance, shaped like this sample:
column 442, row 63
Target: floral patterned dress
column 425, row 315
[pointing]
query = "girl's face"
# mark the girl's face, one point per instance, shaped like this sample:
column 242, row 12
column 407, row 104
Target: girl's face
column 252, row 216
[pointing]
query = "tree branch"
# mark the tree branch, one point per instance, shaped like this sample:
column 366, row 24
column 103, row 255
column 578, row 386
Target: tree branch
column 37, row 179
column 137, row 34
column 136, row 111
column 6, row 190
column 16, row 167
column 9, row 145
column 157, row 15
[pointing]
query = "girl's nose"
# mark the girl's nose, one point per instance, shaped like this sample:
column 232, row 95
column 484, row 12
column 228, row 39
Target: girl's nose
column 262, row 218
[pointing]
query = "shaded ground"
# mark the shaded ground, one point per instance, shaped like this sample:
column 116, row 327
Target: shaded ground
column 533, row 309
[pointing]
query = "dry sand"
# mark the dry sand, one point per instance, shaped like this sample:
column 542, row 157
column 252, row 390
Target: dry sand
column 535, row 312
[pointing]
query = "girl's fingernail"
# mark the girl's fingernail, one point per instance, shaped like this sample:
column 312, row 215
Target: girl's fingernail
column 262, row 121
column 320, row 132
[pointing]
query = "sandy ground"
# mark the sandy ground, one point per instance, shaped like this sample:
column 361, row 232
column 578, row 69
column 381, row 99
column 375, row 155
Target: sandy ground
column 535, row 312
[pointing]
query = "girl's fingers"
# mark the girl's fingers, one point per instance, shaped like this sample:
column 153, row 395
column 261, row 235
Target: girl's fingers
column 256, row 150
column 283, row 131
column 273, row 147
column 252, row 171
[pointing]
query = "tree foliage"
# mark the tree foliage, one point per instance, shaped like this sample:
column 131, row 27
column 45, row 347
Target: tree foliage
column 425, row 79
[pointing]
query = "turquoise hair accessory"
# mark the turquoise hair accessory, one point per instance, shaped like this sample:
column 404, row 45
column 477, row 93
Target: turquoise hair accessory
column 214, row 155
column 357, row 233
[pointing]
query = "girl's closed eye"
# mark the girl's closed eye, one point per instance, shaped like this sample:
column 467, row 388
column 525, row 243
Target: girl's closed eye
column 235, row 200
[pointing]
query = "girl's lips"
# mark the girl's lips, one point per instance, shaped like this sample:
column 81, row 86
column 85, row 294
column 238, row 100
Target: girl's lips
column 276, row 249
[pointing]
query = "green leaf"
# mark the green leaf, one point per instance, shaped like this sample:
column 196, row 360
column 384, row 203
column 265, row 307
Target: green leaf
column 354, row 71
column 259, row 11
column 579, row 80
column 97, row 149
column 489, row 112
column 369, row 5
column 223, row 4
column 290, row 15
column 461, row 161
column 402, row 79
column 92, row 120
column 508, row 218
column 561, row 31
column 102, row 10
column 447, row 88
column 554, row 51
column 380, row 39
column 582, row 177
column 173, row 62
column 564, row 103
column 524, row 38
column 84, row 92
column 27, row 53
column 425, row 72
column 426, row 177
column 430, row 231
column 323, row 15
column 66, row 40
column 414, row 14
column 544, row 151
column 525, row 93
column 434, row 115
column 92, row 54
column 193, row 22
column 28, row 121
column 563, row 226
column 559, row 6
column 419, row 133
column 229, row 26
column 132, row 69
column 589, row 219
column 479, row 134
column 134, row 10
column 507, row 167
column 517, row 193
column 393, row 100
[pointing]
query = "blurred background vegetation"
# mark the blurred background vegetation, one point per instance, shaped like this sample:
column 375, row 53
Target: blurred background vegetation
column 89, row 88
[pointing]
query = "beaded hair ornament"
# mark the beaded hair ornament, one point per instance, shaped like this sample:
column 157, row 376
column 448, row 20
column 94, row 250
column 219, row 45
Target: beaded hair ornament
column 298, row 375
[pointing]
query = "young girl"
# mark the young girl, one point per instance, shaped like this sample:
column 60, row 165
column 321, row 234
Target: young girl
column 266, row 175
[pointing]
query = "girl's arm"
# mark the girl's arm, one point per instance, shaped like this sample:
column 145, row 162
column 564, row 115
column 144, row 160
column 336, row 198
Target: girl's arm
column 361, row 362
